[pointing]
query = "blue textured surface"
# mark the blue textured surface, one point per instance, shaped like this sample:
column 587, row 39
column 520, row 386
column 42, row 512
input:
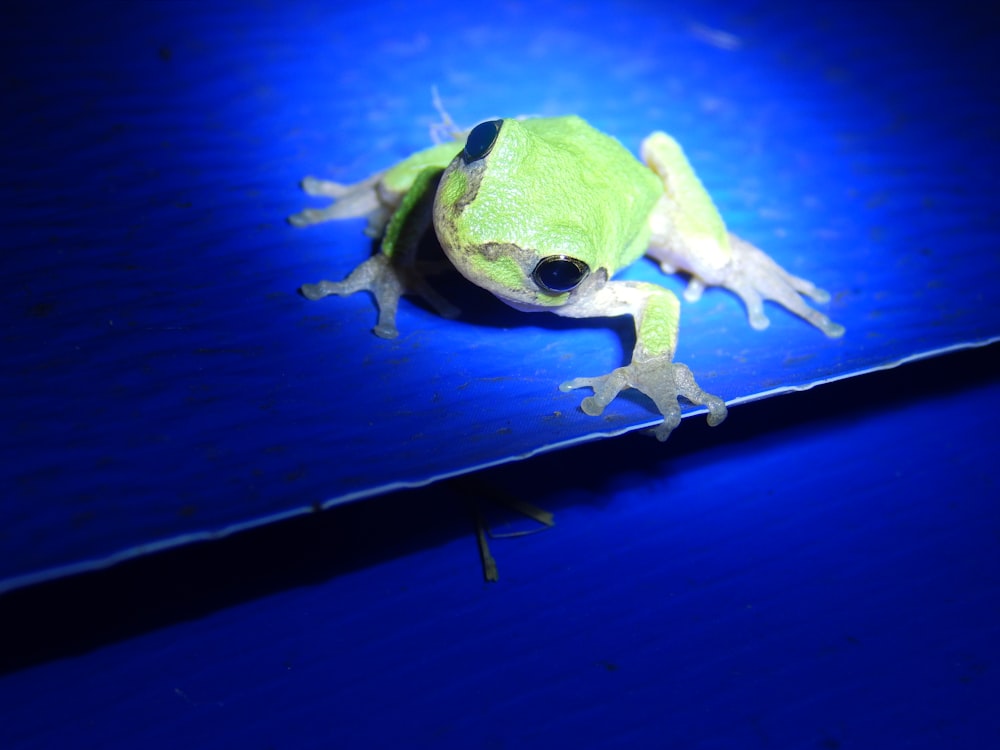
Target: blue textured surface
column 162, row 379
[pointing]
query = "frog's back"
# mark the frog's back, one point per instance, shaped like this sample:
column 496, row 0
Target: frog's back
column 606, row 175
column 599, row 149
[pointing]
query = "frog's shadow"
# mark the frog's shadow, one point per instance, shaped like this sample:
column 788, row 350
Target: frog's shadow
column 479, row 307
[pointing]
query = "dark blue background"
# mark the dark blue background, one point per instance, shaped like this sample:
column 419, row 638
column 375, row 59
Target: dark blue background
column 820, row 571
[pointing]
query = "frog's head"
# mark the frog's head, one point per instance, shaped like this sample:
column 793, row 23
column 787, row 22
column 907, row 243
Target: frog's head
column 508, row 217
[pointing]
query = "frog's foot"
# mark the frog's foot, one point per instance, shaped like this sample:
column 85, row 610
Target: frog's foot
column 660, row 379
column 754, row 277
column 387, row 282
column 351, row 201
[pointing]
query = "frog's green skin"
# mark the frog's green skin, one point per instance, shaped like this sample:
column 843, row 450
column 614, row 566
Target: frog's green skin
column 543, row 212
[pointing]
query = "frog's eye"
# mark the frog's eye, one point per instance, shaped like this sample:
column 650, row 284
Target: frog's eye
column 481, row 140
column 559, row 273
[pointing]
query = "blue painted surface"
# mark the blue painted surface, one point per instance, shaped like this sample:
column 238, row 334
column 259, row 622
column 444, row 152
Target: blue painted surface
column 164, row 382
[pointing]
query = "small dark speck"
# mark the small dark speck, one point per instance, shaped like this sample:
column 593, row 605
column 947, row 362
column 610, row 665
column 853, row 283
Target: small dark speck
column 42, row 309
column 828, row 743
column 165, row 53
column 187, row 511
column 609, row 666
column 796, row 361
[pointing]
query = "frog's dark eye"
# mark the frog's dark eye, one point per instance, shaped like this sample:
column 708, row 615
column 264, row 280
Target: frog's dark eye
column 559, row 273
column 481, row 140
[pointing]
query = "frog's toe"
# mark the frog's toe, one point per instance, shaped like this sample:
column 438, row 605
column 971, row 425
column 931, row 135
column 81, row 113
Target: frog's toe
column 319, row 290
column 386, row 329
column 309, row 216
column 815, row 293
column 823, row 323
column 606, row 388
column 688, row 387
column 754, row 305
column 323, row 188
column 694, row 289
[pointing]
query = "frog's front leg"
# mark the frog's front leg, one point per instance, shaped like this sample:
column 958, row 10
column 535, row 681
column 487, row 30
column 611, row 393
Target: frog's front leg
column 393, row 271
column 687, row 233
column 652, row 370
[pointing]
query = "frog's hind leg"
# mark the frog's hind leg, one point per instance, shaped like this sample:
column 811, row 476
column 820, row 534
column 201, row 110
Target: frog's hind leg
column 351, row 201
column 754, row 277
